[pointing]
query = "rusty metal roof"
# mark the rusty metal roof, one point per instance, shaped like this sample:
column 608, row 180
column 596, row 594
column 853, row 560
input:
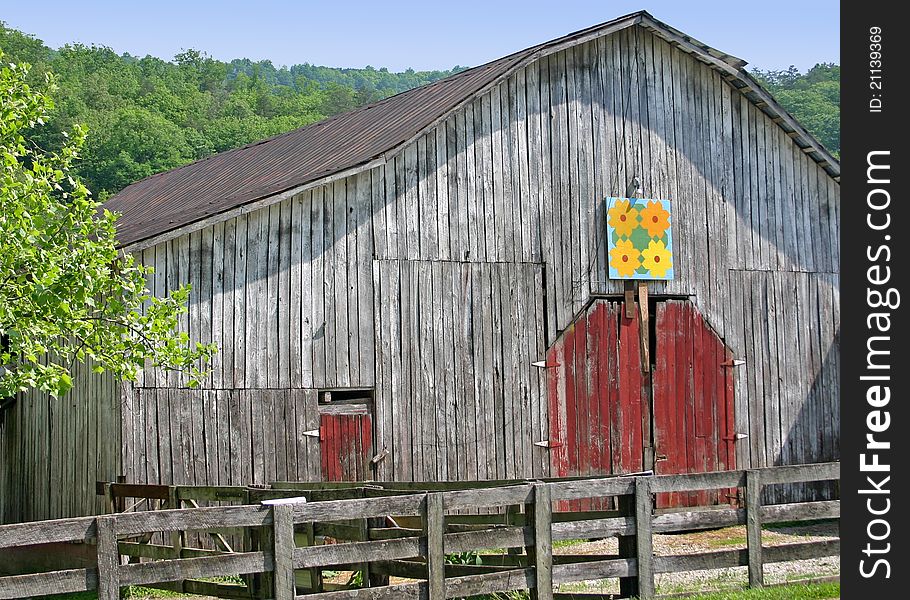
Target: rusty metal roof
column 174, row 199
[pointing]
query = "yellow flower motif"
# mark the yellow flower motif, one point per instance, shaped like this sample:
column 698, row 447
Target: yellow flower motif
column 622, row 219
column 657, row 259
column 655, row 219
column 625, row 258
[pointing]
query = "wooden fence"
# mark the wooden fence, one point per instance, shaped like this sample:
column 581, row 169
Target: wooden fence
column 420, row 553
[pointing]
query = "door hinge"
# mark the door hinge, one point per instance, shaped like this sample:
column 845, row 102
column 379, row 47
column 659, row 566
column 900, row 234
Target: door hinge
column 733, row 362
column 542, row 364
column 312, row 433
column 548, row 444
column 380, row 457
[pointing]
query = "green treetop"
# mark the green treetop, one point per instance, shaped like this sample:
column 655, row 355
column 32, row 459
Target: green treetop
column 66, row 293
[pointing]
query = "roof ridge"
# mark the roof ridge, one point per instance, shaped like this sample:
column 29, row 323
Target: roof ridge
column 186, row 197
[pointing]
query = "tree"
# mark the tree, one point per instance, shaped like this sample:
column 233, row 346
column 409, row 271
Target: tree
column 24, row 47
column 813, row 98
column 67, row 294
column 147, row 115
column 133, row 144
column 337, row 99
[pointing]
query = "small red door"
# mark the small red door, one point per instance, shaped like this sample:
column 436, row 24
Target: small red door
column 346, row 442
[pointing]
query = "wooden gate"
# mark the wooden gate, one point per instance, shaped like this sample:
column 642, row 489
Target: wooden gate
column 608, row 416
column 346, row 441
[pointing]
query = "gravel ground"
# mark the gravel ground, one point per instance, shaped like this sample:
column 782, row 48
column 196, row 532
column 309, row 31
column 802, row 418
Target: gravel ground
column 719, row 539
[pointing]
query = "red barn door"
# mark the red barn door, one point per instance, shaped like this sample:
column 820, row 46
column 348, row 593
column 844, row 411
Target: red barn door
column 596, row 393
column 607, row 416
column 693, row 401
column 346, row 442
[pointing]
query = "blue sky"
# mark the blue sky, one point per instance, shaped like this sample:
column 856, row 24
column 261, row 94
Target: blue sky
column 396, row 34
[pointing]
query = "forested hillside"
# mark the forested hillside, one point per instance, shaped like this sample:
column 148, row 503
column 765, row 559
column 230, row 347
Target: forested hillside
column 813, row 98
column 147, row 115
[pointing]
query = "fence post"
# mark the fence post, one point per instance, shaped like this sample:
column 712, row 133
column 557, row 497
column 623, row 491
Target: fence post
column 513, row 515
column 366, row 576
column 753, row 528
column 176, row 536
column 434, row 526
column 250, row 544
column 628, row 547
column 541, row 518
column 108, row 559
column 283, row 551
column 120, row 503
column 643, row 540
column 376, row 579
column 108, row 498
column 315, row 572
column 262, row 582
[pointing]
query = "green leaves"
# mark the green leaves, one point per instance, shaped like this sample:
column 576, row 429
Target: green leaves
column 813, row 98
column 148, row 115
column 66, row 294
column 64, row 384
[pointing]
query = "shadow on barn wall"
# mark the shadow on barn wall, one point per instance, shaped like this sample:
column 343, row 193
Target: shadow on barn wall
column 683, row 129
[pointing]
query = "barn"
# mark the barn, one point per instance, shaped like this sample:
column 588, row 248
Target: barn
column 421, row 290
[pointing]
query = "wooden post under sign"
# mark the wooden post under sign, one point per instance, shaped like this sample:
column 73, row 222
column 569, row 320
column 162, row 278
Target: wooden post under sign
column 629, row 303
column 643, row 327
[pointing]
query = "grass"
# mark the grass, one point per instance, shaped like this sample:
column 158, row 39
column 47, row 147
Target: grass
column 567, row 543
column 726, row 542
column 136, row 591
column 143, row 592
column 729, row 537
column 725, row 586
column 716, row 580
column 133, row 591
column 811, row 591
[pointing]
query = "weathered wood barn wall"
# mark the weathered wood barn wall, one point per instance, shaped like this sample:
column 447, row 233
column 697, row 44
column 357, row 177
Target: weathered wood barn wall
column 418, row 287
column 53, row 450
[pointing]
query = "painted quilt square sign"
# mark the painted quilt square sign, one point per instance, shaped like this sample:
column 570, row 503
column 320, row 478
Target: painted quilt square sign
column 639, row 238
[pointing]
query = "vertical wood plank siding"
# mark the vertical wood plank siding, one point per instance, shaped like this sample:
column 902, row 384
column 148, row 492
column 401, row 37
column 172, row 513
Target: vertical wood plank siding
column 53, row 450
column 458, row 398
column 240, row 436
column 438, row 277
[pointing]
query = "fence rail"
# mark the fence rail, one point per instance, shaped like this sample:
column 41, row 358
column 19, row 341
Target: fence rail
column 417, row 549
